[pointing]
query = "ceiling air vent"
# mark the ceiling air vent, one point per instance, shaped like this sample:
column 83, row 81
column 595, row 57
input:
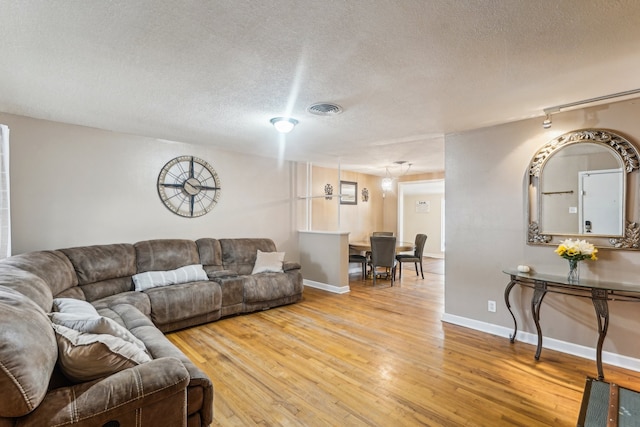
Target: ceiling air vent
column 324, row 109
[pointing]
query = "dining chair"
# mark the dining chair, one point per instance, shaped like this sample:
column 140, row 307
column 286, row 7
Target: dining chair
column 379, row 233
column 383, row 254
column 360, row 259
column 382, row 233
column 415, row 258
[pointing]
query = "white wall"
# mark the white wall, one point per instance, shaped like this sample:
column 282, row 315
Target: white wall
column 486, row 231
column 76, row 186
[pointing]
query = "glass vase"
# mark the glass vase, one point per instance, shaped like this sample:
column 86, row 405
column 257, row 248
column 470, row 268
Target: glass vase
column 574, row 271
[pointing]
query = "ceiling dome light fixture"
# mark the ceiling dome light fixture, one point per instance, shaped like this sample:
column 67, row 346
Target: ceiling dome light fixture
column 284, row 124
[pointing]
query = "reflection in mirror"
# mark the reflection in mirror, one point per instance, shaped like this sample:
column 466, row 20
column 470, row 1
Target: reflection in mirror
column 581, row 188
column 581, row 185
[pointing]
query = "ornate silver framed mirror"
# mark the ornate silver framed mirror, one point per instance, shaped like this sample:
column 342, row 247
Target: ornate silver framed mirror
column 584, row 184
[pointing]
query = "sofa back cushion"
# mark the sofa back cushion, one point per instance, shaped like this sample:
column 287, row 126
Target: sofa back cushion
column 51, row 266
column 210, row 253
column 165, row 254
column 28, row 353
column 103, row 270
column 240, row 254
column 27, row 284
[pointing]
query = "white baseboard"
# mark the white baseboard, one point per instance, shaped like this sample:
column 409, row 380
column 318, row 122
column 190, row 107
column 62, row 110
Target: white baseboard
column 438, row 255
column 326, row 287
column 550, row 343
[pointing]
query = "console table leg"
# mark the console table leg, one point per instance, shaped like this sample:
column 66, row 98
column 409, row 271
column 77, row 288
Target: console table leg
column 507, row 291
column 599, row 299
column 539, row 292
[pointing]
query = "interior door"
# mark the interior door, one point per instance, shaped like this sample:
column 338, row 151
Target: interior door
column 600, row 202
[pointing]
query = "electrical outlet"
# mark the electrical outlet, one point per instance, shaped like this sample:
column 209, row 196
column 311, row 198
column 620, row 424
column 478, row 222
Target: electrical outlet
column 491, row 306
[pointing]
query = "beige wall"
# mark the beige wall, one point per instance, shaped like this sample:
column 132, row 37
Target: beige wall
column 380, row 213
column 390, row 204
column 429, row 223
column 73, row 185
column 329, row 215
column 486, row 231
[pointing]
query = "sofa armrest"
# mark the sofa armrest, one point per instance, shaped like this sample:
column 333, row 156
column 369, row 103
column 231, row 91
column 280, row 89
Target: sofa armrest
column 154, row 392
column 290, row 265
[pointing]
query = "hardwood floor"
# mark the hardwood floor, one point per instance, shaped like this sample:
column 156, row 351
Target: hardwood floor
column 382, row 357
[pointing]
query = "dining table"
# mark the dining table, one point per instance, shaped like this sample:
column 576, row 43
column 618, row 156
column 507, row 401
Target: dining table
column 365, row 246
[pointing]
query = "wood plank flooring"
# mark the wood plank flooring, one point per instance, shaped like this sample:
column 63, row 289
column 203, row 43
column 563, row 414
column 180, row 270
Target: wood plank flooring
column 382, row 357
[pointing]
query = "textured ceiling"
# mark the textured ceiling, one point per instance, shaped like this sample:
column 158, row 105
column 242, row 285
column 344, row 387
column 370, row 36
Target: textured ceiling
column 406, row 72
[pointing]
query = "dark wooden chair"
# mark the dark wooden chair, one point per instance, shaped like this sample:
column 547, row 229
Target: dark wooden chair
column 416, row 257
column 360, row 259
column 376, row 234
column 383, row 254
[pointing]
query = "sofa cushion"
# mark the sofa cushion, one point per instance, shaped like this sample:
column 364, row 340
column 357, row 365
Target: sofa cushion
column 240, row 254
column 171, row 304
column 210, row 252
column 268, row 287
column 85, row 357
column 154, row 279
column 95, row 325
column 103, row 270
column 51, row 266
column 27, row 284
column 268, row 262
column 102, row 262
column 139, row 300
column 28, row 353
column 165, row 254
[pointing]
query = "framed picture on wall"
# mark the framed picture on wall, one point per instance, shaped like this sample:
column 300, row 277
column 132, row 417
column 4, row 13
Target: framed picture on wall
column 423, row 206
column 348, row 193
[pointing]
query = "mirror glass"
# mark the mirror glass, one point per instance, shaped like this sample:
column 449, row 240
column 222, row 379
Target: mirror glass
column 583, row 185
column 581, row 191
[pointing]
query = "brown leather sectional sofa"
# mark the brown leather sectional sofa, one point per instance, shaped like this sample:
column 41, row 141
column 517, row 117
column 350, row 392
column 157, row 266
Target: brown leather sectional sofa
column 168, row 390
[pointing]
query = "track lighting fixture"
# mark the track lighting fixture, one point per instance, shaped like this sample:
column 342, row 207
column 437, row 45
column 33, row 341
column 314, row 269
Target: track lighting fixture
column 597, row 100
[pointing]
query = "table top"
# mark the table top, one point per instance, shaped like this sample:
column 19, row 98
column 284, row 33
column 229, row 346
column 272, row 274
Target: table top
column 582, row 283
column 364, row 245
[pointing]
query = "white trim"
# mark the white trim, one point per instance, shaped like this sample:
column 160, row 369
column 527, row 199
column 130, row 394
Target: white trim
column 326, row 287
column 550, row 343
column 439, row 255
column 5, row 197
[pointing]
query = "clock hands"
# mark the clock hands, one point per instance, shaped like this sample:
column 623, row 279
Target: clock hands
column 199, row 187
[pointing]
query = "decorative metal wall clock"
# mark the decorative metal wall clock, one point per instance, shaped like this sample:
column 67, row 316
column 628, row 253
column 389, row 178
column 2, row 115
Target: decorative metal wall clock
column 188, row 186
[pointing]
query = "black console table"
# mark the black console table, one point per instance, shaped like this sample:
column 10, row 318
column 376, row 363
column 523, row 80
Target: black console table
column 599, row 291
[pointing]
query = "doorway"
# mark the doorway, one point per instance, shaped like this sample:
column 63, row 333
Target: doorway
column 600, row 196
column 421, row 210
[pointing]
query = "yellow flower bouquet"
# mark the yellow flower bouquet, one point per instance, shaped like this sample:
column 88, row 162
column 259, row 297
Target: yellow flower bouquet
column 575, row 251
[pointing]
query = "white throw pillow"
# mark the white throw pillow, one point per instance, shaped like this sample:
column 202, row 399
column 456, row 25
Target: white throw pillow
column 153, row 279
column 95, row 325
column 85, row 357
column 75, row 306
column 268, row 262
